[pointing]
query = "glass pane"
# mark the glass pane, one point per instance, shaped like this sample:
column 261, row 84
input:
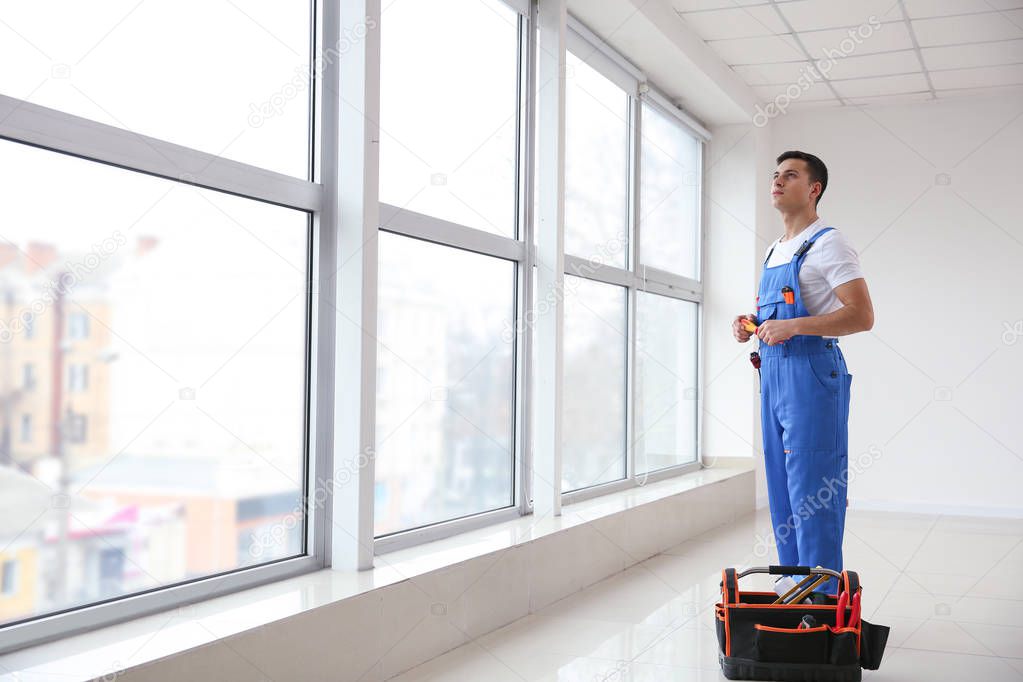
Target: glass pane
column 669, row 192
column 666, row 352
column 596, row 165
column 158, row 436
column 447, row 110
column 228, row 78
column 445, row 384
column 594, row 389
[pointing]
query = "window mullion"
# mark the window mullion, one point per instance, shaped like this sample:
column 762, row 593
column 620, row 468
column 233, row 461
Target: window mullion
column 352, row 504
column 547, row 465
column 634, row 230
column 527, row 227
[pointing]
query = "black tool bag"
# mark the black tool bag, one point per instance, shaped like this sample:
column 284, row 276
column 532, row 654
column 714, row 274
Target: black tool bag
column 759, row 640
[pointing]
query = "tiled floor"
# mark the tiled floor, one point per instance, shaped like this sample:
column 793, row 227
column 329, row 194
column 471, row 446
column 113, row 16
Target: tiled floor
column 951, row 588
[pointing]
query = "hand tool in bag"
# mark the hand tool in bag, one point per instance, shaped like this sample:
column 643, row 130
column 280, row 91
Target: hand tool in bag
column 806, row 593
column 783, row 585
column 854, row 615
column 783, row 598
column 808, row 622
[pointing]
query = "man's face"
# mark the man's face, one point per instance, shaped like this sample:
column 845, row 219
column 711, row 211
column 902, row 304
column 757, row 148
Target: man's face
column 791, row 188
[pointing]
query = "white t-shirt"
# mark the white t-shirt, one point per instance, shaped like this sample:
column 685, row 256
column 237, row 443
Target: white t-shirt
column 829, row 263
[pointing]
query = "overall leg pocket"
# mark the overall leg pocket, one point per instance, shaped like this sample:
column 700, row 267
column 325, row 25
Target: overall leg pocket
column 825, row 369
column 811, row 409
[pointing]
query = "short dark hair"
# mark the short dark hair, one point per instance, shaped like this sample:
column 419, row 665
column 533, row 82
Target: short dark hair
column 815, row 168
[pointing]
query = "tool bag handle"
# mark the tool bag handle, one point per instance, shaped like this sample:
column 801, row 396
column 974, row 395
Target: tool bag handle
column 730, row 579
column 791, row 570
column 729, row 586
column 851, row 582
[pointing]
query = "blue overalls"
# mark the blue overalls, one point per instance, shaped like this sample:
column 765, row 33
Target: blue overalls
column 804, row 394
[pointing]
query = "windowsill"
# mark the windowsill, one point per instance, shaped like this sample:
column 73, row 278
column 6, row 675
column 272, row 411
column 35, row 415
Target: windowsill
column 143, row 640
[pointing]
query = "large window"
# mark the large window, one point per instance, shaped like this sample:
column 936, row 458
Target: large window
column 227, row 78
column 666, row 382
column 156, row 291
column 596, row 165
column 448, row 111
column 597, row 229
column 445, row 390
column 596, row 335
column 229, row 335
column 446, row 372
column 193, row 413
column 631, row 315
column 669, row 195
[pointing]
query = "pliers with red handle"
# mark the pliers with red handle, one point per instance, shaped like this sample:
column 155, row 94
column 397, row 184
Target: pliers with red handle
column 854, row 615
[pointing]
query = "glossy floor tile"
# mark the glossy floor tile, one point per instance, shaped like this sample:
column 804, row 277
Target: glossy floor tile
column 951, row 588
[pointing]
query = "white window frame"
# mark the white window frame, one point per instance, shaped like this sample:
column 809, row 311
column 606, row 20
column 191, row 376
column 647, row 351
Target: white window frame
column 447, row 233
column 638, row 277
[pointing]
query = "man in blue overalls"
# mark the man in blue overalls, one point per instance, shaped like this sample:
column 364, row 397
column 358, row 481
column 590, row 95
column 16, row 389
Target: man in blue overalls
column 811, row 292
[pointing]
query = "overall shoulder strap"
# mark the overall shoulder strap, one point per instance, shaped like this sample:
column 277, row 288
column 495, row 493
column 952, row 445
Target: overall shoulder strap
column 801, row 251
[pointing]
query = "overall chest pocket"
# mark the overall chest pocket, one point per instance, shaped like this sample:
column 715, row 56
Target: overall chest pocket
column 773, row 306
column 768, row 311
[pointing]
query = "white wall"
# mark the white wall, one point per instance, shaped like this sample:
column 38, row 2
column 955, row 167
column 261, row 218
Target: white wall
column 730, row 414
column 931, row 195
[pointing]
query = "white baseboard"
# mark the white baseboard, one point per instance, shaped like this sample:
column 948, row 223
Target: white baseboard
column 911, row 507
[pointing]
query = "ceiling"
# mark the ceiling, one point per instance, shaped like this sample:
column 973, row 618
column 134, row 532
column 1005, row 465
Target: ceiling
column 872, row 50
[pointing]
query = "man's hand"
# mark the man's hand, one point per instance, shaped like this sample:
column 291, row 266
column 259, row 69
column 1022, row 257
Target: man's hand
column 774, row 332
column 740, row 334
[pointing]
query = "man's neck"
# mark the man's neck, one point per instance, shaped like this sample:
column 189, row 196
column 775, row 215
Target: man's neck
column 797, row 222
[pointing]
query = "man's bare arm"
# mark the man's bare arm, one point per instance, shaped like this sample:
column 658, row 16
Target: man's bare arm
column 856, row 315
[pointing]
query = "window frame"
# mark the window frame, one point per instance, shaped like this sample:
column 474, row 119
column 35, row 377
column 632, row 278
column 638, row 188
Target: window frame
column 636, row 276
column 443, row 232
